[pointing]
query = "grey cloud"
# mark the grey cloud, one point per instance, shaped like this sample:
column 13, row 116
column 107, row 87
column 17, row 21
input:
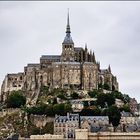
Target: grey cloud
column 31, row 29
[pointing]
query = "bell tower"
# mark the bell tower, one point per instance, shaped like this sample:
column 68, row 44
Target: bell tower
column 67, row 45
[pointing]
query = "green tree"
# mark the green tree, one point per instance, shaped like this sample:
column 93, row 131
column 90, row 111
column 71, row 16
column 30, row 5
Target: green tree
column 61, row 109
column 105, row 99
column 106, row 86
column 61, row 96
column 101, row 99
column 90, row 112
column 125, row 108
column 49, row 110
column 86, row 104
column 44, row 90
column 67, row 108
column 54, row 101
column 93, row 94
column 113, row 88
column 86, row 112
column 126, row 98
column 104, row 112
column 118, row 95
column 58, row 109
column 16, row 99
column 110, row 99
column 97, row 111
column 100, row 86
column 114, row 116
column 92, row 103
column 75, row 95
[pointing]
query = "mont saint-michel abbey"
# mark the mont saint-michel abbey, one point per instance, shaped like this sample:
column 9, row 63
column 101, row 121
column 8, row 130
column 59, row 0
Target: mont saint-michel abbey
column 75, row 67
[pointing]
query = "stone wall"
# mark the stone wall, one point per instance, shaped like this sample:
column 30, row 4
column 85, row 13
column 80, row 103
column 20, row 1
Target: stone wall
column 46, row 137
column 41, row 120
column 75, row 75
column 84, row 134
column 9, row 111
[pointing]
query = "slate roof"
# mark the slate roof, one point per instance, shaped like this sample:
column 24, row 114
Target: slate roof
column 94, row 118
column 68, row 39
column 50, row 57
column 103, row 71
column 33, row 65
column 69, row 117
column 78, row 48
column 67, row 63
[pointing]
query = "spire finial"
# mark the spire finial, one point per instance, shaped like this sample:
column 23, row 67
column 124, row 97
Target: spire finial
column 68, row 18
column 68, row 23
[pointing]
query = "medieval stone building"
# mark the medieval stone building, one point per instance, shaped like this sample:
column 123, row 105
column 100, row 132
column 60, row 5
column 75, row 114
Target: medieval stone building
column 75, row 68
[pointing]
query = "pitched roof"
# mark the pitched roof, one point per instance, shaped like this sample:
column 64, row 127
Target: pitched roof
column 50, row 57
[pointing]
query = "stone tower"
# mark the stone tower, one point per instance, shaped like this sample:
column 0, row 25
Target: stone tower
column 67, row 45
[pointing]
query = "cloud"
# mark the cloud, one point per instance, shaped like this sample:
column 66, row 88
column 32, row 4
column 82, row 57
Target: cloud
column 31, row 29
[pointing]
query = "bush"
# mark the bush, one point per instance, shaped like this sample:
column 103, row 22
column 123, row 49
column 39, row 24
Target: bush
column 93, row 94
column 44, row 89
column 16, row 99
column 105, row 99
column 86, row 103
column 61, row 96
column 114, row 116
column 118, row 95
column 62, row 109
column 49, row 110
column 75, row 95
column 125, row 108
column 106, row 86
column 90, row 112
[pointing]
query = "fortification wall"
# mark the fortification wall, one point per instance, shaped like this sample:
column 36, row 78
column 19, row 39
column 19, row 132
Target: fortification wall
column 84, row 134
column 41, row 120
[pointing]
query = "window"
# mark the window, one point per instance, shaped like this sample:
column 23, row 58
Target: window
column 20, row 77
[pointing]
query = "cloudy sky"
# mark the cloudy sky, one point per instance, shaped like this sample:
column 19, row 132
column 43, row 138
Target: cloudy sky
column 112, row 29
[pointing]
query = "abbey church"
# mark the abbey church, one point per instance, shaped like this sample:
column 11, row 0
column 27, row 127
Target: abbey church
column 75, row 68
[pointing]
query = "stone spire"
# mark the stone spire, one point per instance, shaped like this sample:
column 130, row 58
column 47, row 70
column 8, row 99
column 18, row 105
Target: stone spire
column 86, row 53
column 68, row 38
column 93, row 56
column 86, row 46
column 68, row 24
column 109, row 68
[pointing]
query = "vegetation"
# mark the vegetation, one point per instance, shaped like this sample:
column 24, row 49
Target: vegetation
column 49, row 110
column 105, row 100
column 61, row 96
column 75, row 95
column 125, row 108
column 106, row 86
column 44, row 90
column 117, row 95
column 93, row 94
column 16, row 99
column 114, row 116
column 49, row 105
column 94, row 111
column 86, row 104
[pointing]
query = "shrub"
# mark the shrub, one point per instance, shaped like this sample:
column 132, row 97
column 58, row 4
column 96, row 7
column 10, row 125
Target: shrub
column 16, row 99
